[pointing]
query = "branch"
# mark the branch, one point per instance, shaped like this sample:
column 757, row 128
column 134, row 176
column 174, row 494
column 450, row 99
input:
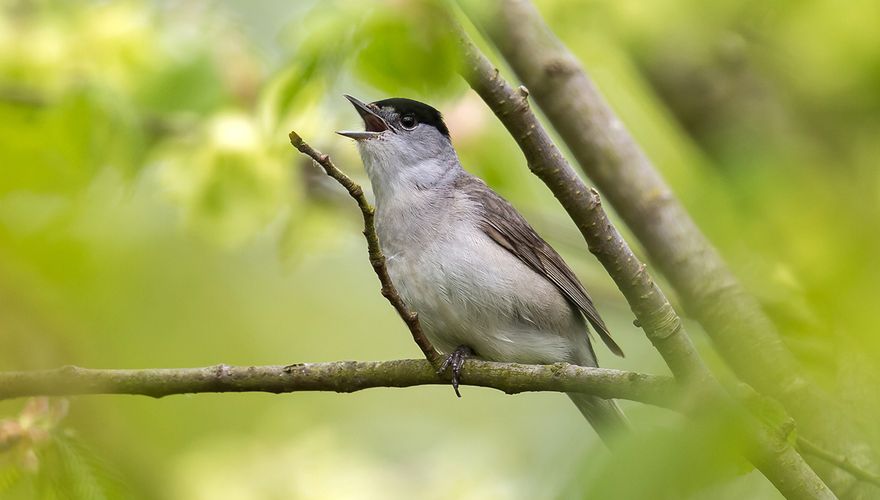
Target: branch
column 613, row 160
column 652, row 310
column 377, row 259
column 807, row 446
column 741, row 331
column 338, row 376
column 767, row 449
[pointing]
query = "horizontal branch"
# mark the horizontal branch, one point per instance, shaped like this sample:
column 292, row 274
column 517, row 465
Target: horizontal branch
column 338, row 376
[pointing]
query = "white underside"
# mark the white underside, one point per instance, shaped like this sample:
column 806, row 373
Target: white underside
column 470, row 291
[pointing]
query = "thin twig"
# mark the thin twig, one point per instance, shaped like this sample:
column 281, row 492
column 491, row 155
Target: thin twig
column 338, row 376
column 377, row 259
column 842, row 462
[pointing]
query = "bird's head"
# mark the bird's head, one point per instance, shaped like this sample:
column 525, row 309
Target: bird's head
column 401, row 135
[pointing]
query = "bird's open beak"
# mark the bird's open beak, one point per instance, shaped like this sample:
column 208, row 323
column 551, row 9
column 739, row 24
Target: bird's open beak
column 373, row 123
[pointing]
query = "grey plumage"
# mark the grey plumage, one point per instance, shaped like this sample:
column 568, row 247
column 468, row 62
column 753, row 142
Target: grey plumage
column 465, row 259
column 511, row 231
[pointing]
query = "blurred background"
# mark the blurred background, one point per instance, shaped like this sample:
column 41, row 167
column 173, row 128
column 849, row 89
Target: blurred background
column 153, row 214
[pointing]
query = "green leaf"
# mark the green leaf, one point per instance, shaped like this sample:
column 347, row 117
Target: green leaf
column 194, row 84
column 59, row 147
column 409, row 50
column 69, row 469
column 10, row 477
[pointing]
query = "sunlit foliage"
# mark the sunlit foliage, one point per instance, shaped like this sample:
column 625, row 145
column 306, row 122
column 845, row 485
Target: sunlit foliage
column 153, row 214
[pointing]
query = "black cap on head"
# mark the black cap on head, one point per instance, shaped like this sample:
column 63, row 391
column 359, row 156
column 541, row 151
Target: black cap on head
column 421, row 111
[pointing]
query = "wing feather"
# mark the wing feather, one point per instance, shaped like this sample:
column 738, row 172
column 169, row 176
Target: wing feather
column 501, row 222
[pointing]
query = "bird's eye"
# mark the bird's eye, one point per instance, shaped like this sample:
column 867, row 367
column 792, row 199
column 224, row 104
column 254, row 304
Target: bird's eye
column 408, row 122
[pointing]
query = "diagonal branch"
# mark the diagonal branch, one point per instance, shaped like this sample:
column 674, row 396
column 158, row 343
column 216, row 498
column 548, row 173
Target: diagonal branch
column 739, row 328
column 377, row 259
column 768, row 449
column 338, row 376
column 650, row 306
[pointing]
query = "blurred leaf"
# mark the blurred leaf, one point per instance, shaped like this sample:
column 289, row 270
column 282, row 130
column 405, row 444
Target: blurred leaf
column 409, row 49
column 310, row 230
column 291, row 83
column 58, row 147
column 320, row 42
column 86, row 475
column 193, row 84
column 10, row 476
column 672, row 463
column 229, row 185
column 68, row 470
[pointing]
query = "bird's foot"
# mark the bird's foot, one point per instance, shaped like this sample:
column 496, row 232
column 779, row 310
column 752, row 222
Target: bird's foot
column 455, row 360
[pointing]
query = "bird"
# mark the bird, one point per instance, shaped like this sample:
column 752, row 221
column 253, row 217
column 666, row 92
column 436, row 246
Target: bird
column 483, row 282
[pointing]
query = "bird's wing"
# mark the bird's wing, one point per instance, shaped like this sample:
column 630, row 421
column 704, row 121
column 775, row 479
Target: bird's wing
column 501, row 222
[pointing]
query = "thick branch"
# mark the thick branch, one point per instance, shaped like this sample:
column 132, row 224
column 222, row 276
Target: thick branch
column 377, row 259
column 338, row 376
column 743, row 334
column 613, row 160
column 653, row 311
column 767, row 450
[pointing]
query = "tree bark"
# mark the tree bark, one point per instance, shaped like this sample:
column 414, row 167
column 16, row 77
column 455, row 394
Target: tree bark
column 338, row 376
column 741, row 331
column 767, row 449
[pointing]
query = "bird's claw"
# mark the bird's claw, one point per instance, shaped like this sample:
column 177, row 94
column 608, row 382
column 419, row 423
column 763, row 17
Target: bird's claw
column 455, row 360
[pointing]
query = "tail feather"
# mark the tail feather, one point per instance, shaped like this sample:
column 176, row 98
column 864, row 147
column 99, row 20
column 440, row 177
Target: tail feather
column 603, row 414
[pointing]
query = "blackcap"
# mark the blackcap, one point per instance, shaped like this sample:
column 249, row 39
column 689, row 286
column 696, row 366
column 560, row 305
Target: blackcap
column 480, row 278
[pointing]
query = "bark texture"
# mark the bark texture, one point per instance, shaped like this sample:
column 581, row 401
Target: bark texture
column 743, row 334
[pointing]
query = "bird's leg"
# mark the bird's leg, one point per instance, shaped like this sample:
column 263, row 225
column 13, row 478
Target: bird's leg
column 454, row 360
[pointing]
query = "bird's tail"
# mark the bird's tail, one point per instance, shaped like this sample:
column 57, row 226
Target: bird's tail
column 603, row 414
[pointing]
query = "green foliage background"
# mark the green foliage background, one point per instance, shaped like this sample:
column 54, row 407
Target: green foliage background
column 152, row 214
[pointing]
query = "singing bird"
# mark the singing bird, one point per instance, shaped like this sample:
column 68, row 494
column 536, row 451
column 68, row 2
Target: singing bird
column 482, row 281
